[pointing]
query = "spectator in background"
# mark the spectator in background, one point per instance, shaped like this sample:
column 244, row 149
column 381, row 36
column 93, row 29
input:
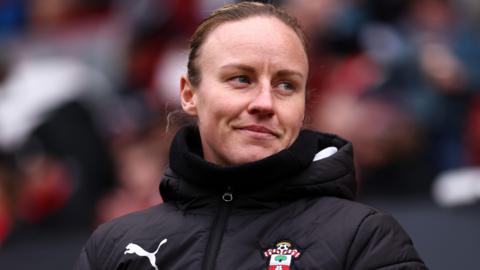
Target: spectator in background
column 54, row 138
column 417, row 59
column 140, row 159
column 61, row 163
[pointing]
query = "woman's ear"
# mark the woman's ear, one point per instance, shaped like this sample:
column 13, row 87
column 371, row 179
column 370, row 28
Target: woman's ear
column 188, row 96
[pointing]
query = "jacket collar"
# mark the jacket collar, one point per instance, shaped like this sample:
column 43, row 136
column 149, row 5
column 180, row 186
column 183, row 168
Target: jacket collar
column 291, row 173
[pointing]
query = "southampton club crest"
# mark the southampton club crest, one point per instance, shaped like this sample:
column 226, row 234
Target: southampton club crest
column 281, row 256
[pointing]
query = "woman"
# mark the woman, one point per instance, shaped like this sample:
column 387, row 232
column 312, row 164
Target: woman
column 247, row 187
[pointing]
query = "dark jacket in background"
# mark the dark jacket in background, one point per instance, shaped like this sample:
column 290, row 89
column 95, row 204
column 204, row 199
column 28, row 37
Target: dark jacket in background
column 233, row 217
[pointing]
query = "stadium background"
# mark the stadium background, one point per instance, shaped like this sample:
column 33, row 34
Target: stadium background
column 88, row 105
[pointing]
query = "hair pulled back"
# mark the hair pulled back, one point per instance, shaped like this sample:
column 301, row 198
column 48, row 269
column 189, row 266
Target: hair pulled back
column 231, row 13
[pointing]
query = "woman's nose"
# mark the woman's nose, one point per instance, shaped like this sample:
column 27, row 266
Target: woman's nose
column 262, row 103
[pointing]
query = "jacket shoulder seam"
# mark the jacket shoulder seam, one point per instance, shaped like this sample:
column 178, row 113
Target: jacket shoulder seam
column 371, row 213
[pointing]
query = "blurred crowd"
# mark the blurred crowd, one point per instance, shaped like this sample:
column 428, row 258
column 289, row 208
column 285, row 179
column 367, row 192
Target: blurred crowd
column 88, row 99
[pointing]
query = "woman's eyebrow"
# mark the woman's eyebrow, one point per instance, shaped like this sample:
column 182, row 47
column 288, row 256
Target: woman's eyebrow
column 250, row 69
column 289, row 72
column 241, row 67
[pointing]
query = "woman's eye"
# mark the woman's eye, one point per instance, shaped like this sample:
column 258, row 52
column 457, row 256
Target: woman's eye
column 286, row 86
column 240, row 81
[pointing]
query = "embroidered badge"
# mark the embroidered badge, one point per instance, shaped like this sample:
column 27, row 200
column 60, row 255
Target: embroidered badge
column 281, row 256
column 139, row 251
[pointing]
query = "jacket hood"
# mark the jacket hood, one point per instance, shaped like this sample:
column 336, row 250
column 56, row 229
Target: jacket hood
column 289, row 174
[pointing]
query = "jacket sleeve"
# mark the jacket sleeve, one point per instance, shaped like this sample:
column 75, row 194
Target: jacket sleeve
column 83, row 263
column 90, row 252
column 381, row 243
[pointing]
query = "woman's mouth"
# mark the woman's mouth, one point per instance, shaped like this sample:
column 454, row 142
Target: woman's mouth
column 259, row 131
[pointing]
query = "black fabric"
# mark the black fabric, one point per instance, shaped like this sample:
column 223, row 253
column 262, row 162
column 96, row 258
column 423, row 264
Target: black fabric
column 283, row 197
column 186, row 160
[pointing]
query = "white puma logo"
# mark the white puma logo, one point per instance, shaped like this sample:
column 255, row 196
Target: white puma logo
column 134, row 248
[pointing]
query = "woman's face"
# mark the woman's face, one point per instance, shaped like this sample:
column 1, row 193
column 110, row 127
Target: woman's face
column 250, row 101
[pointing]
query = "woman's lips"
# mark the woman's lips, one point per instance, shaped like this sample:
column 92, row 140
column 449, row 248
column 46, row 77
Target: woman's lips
column 258, row 130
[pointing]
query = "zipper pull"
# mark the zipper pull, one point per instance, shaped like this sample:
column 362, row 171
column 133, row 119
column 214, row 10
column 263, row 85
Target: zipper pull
column 227, row 196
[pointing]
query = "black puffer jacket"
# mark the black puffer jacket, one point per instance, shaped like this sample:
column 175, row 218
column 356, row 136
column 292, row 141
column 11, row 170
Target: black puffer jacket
column 282, row 212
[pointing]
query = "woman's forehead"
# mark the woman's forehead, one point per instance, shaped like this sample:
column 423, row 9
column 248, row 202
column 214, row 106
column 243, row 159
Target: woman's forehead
column 251, row 39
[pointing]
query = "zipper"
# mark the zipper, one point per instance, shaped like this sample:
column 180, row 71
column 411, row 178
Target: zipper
column 218, row 230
